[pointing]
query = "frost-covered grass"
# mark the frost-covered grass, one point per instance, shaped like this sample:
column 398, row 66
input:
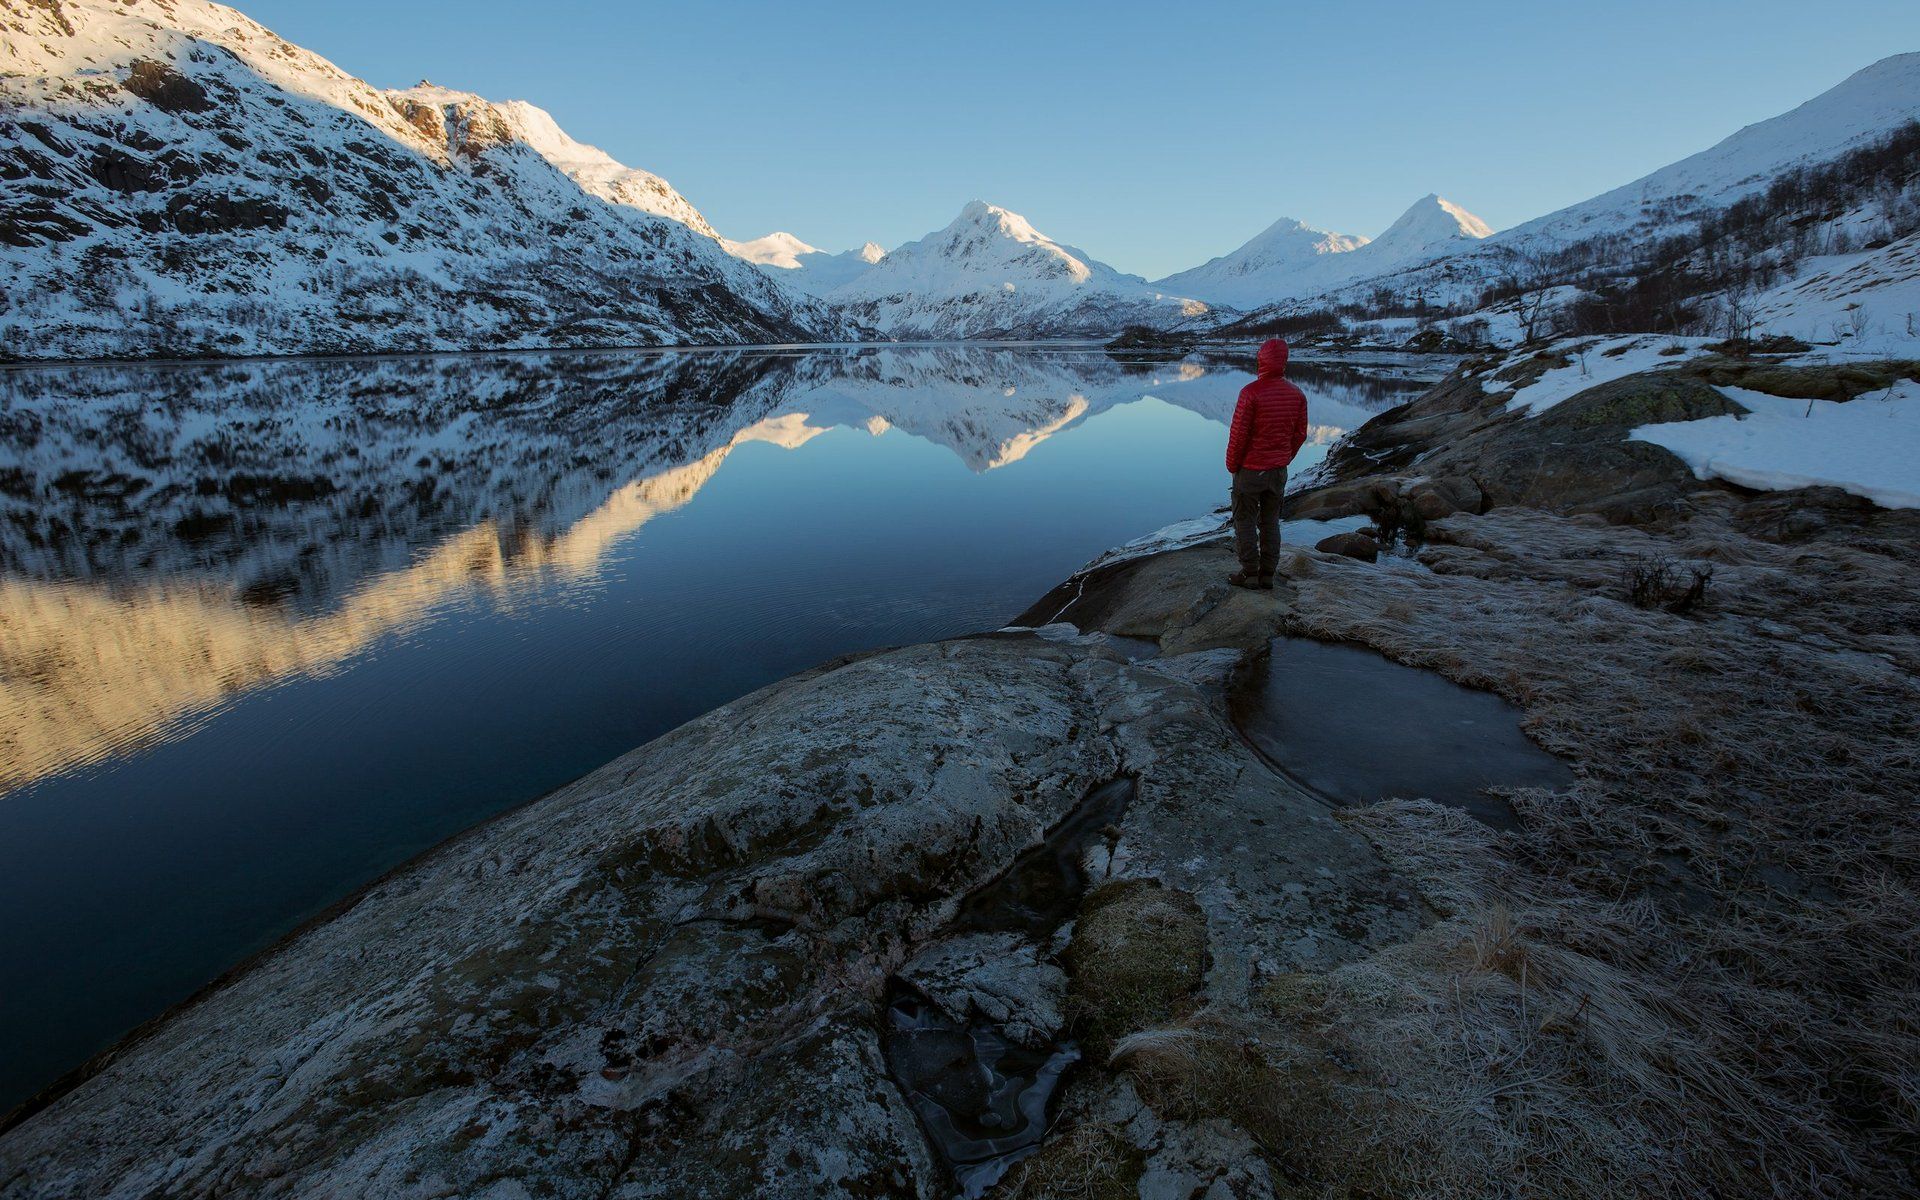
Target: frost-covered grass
column 1867, row 447
column 1691, row 973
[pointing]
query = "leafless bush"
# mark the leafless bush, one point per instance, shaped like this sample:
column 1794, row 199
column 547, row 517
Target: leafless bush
column 1656, row 581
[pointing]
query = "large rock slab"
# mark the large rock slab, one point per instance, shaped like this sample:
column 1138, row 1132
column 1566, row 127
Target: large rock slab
column 665, row 979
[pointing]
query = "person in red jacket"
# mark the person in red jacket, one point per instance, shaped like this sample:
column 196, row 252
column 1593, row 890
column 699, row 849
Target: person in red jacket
column 1269, row 427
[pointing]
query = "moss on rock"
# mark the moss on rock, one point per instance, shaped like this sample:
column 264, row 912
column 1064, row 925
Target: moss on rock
column 1818, row 381
column 1137, row 960
column 1646, row 399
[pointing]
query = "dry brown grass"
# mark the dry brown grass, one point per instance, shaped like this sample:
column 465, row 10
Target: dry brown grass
column 1697, row 971
column 1085, row 1162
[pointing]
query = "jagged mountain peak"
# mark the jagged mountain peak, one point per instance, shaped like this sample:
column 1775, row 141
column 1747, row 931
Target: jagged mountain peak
column 993, row 220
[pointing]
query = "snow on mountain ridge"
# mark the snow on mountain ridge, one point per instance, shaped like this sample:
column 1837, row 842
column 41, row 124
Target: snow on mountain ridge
column 592, row 168
column 802, row 267
column 777, row 249
column 1866, row 105
column 199, row 186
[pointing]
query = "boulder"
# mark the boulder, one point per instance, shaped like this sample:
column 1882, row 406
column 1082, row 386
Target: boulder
column 1433, row 499
column 1352, row 545
column 1370, row 495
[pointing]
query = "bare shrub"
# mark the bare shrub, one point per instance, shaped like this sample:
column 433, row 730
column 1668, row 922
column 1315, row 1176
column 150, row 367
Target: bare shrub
column 1656, row 581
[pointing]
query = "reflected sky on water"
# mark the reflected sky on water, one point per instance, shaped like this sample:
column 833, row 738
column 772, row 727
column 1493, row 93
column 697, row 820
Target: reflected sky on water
column 272, row 628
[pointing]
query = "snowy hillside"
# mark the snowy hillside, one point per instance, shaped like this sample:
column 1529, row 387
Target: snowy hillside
column 992, row 274
column 1255, row 273
column 175, row 179
column 1864, row 106
column 1617, row 233
column 802, row 267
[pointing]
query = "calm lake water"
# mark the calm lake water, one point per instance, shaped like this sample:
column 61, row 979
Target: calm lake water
column 268, row 630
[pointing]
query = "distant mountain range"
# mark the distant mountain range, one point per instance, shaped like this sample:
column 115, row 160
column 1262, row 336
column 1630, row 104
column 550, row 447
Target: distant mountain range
column 1291, row 258
column 176, row 180
column 803, row 267
column 1870, row 106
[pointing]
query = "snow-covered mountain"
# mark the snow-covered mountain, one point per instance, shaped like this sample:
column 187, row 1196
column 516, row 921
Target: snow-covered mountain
column 802, row 267
column 175, row 179
column 1247, row 277
column 1433, row 226
column 1861, row 108
column 991, row 274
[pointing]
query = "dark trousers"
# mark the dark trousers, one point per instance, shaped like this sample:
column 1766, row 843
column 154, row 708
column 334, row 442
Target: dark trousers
column 1256, row 518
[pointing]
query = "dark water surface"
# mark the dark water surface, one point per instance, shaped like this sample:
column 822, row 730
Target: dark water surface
column 269, row 629
column 1357, row 727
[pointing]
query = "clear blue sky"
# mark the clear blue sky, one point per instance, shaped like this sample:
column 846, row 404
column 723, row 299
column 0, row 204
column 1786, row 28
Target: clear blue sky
column 1152, row 135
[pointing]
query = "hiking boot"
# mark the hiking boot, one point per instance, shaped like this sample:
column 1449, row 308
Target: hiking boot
column 1266, row 583
column 1245, row 579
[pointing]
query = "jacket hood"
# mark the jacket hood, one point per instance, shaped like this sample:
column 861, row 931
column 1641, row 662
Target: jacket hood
column 1273, row 357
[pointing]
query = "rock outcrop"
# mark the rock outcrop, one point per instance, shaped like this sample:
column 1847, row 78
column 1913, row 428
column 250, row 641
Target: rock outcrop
column 666, row 978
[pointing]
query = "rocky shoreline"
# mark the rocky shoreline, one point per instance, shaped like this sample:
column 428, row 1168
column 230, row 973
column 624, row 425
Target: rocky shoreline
column 677, row 976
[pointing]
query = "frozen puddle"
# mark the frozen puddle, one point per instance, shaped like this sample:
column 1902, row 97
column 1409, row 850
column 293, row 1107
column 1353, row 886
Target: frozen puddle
column 981, row 1098
column 1354, row 728
column 981, row 1094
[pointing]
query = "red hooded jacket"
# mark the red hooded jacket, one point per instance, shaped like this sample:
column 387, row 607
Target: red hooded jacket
column 1270, row 421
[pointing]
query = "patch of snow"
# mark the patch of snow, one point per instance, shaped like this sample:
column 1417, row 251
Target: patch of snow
column 1868, row 446
column 1178, row 536
column 1312, row 533
column 1597, row 362
column 1868, row 303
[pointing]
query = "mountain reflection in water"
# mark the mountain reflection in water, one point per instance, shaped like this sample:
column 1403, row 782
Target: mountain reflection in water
column 270, row 628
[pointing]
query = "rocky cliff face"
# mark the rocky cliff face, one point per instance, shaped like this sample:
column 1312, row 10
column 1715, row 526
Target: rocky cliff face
column 179, row 181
